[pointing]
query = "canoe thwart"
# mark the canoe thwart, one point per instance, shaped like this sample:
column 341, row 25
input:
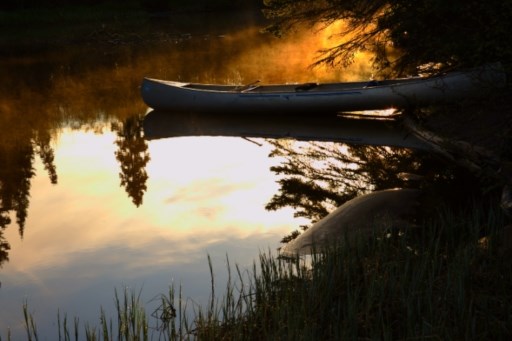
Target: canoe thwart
column 248, row 87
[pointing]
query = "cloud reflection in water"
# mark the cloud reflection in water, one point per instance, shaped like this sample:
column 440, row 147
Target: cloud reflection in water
column 85, row 237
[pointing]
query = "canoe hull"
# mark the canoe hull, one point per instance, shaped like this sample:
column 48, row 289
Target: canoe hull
column 329, row 97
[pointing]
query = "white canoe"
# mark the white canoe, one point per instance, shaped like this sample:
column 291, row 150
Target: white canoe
column 321, row 97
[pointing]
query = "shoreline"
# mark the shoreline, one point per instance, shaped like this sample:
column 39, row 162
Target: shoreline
column 34, row 31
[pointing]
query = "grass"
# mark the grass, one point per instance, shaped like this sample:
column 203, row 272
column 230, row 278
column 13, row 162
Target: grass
column 443, row 282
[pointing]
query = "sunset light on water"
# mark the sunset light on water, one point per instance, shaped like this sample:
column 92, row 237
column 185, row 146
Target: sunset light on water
column 204, row 196
column 83, row 236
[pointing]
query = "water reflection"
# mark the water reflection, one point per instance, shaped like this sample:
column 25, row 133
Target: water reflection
column 71, row 133
column 17, row 154
column 92, row 87
column 204, row 196
column 133, row 157
column 363, row 130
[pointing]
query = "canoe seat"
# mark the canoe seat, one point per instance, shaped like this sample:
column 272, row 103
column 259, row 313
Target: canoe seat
column 248, row 87
column 306, row 86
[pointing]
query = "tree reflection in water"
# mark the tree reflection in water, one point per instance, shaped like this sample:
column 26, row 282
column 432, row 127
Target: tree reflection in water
column 4, row 247
column 317, row 177
column 16, row 158
column 133, row 156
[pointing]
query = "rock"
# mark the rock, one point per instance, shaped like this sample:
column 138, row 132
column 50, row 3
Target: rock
column 361, row 217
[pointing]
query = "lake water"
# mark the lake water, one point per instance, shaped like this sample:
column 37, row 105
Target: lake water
column 95, row 207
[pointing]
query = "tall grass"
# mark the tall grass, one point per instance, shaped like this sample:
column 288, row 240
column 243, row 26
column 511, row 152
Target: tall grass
column 440, row 282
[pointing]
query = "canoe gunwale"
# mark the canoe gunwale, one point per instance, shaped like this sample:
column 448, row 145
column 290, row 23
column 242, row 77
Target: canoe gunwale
column 294, row 88
column 321, row 97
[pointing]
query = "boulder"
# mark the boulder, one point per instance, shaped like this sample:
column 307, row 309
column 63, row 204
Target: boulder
column 362, row 217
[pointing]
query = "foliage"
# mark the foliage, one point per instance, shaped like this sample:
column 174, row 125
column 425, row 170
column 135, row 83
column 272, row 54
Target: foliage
column 18, row 151
column 4, row 246
column 133, row 156
column 403, row 34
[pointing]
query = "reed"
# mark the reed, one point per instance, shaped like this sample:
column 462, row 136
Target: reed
column 441, row 282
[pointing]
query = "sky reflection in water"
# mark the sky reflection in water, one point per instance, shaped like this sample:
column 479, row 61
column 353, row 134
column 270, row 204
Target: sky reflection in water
column 84, row 237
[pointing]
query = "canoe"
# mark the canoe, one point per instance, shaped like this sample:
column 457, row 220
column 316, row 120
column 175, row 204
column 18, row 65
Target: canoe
column 321, row 97
column 354, row 130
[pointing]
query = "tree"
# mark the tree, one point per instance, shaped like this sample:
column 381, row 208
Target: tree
column 404, row 34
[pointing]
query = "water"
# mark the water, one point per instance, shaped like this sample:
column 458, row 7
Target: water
column 95, row 207
column 84, row 237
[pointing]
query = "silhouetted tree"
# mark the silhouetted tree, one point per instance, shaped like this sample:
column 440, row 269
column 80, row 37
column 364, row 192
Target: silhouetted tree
column 15, row 176
column 405, row 34
column 16, row 172
column 4, row 247
column 132, row 156
column 47, row 155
